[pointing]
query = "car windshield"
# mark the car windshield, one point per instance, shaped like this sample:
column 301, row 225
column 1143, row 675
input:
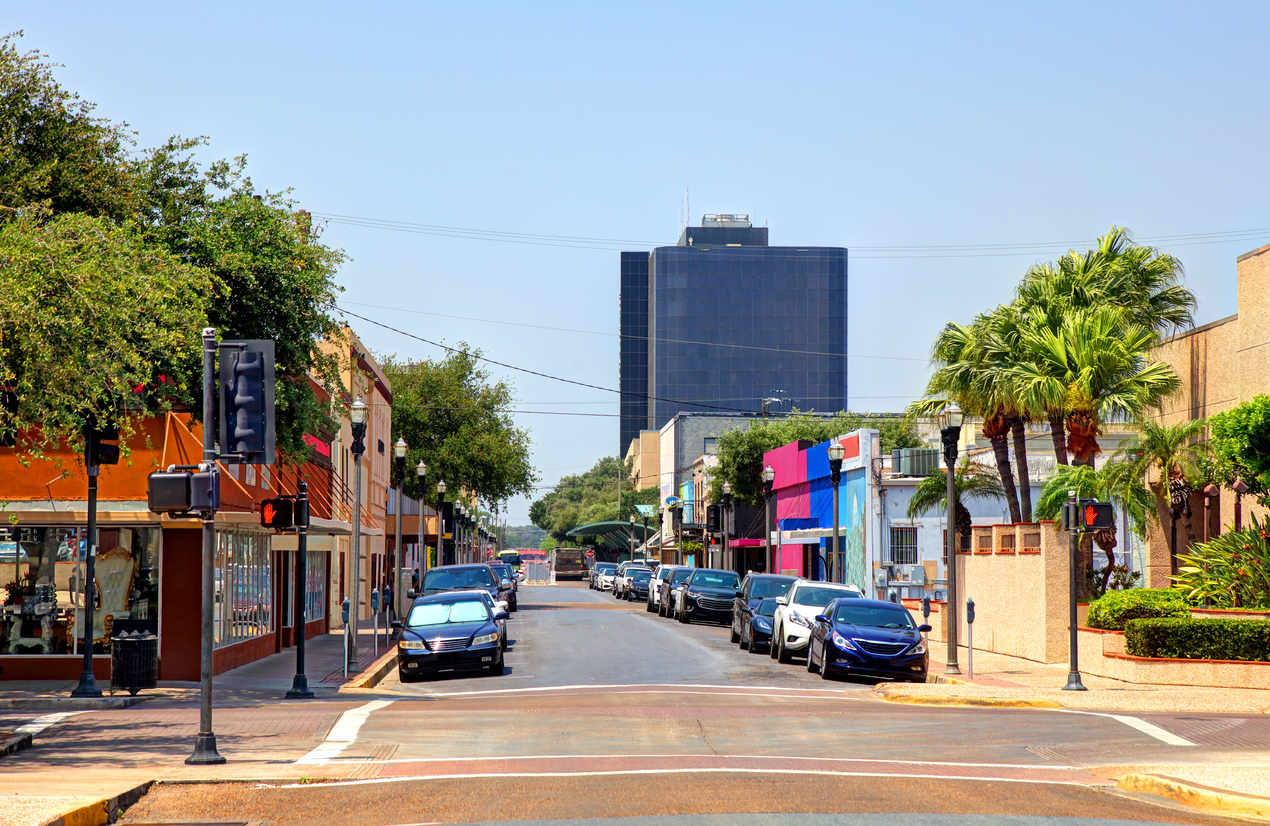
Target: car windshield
column 642, row 576
column 605, row 567
column 447, row 613
column 814, row 597
column 679, row 576
column 876, row 616
column 764, row 588
column 502, row 570
column 767, row 608
column 715, row 579
column 439, row 579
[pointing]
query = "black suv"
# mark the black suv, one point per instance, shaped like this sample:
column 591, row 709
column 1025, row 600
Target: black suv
column 755, row 589
column 708, row 594
column 480, row 576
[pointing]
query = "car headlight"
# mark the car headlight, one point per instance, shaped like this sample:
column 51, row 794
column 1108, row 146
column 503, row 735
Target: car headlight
column 842, row 642
column 411, row 645
column 798, row 620
column 483, row 639
column 920, row 648
column 763, row 624
column 694, row 594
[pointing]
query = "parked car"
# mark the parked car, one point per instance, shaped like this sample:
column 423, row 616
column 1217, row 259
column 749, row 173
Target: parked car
column 637, row 584
column 757, row 632
column 470, row 577
column 605, row 573
column 505, row 573
column 623, row 577
column 754, row 589
column 796, row 615
column 662, row 574
column 670, row 589
column 502, row 624
column 449, row 631
column 707, row 595
column 869, row 638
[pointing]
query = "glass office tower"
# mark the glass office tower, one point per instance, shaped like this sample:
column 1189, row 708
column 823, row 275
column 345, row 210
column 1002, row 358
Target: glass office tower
column 633, row 365
column 731, row 321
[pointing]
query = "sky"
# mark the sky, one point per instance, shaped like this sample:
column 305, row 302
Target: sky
column 1023, row 129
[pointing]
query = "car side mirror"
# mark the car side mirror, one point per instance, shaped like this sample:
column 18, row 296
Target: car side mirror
column 740, row 594
column 782, row 601
column 501, row 615
column 822, row 618
column 507, row 583
column 395, row 625
column 412, row 594
column 925, row 629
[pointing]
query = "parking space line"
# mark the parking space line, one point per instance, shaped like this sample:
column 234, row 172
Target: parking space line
column 1150, row 729
column 39, row 724
column 343, row 733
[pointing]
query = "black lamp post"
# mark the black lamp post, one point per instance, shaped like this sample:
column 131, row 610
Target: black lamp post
column 300, row 683
column 837, row 564
column 632, row 535
column 421, row 552
column 950, row 421
column 725, row 501
column 357, row 416
column 399, row 557
column 440, row 525
column 769, row 478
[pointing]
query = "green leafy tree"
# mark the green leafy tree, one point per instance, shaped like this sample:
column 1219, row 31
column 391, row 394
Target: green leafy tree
column 590, row 497
column 457, row 420
column 1229, row 571
column 971, row 481
column 1177, row 456
column 1240, row 441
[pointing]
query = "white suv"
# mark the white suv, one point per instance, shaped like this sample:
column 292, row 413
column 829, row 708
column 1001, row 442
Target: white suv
column 796, row 614
column 662, row 574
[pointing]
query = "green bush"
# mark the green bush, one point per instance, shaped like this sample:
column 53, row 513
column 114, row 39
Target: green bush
column 1199, row 639
column 1113, row 609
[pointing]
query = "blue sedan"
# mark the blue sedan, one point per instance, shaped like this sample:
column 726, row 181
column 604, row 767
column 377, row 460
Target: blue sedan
column 868, row 638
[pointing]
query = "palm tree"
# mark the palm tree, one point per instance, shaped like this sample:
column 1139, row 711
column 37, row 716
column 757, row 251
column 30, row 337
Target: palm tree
column 970, row 481
column 1096, row 361
column 1000, row 348
column 1118, row 481
column 1174, row 452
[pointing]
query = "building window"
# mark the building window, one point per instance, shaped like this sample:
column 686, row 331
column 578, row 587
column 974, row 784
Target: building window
column 314, row 585
column 244, row 585
column 903, row 546
column 964, row 545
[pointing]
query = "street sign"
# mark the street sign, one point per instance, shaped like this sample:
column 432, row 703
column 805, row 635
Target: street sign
column 672, row 501
column 590, row 553
column 647, row 511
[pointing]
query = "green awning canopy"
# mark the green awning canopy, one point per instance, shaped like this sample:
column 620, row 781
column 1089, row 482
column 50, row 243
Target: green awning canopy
column 614, row 535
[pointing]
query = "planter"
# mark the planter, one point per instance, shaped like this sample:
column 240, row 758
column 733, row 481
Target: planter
column 1228, row 613
column 1102, row 654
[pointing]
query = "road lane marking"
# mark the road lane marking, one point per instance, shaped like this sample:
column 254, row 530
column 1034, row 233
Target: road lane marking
column 1163, row 735
column 39, row 724
column 647, row 688
column 493, row 757
column 343, row 733
column 720, row 770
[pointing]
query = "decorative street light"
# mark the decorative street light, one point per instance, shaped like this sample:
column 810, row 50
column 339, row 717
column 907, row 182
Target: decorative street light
column 950, row 421
column 440, row 525
column 421, row 555
column 838, row 563
column 357, row 416
column 769, row 477
column 398, row 556
column 726, row 502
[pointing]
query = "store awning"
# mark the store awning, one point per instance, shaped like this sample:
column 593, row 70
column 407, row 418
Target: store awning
column 613, row 535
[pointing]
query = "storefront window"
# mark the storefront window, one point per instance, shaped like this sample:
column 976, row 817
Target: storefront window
column 43, row 568
column 244, row 585
column 314, row 585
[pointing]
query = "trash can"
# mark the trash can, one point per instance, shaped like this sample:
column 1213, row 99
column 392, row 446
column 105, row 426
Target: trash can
column 134, row 661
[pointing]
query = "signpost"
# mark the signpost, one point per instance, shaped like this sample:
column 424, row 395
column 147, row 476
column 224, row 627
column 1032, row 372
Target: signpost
column 590, row 553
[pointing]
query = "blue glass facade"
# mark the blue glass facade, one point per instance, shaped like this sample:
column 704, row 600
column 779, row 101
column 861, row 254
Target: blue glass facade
column 633, row 364
column 729, row 325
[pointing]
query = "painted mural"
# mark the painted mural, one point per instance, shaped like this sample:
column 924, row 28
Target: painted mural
column 852, row 515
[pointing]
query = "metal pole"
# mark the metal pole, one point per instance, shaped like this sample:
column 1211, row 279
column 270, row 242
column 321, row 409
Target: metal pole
column 399, row 556
column 421, row 562
column 87, row 683
column 767, row 527
column 205, row 743
column 1071, row 511
column 300, row 684
column 838, row 564
column 950, row 457
column 357, row 561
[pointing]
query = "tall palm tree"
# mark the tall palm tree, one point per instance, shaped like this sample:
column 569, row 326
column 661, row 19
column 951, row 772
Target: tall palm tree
column 1174, row 451
column 970, row 481
column 1000, row 348
column 1096, row 361
column 1117, row 481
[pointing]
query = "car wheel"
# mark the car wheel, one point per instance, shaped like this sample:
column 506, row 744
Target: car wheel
column 771, row 643
column 746, row 645
column 824, row 663
column 783, row 654
column 684, row 617
column 511, row 605
column 811, row 662
column 649, row 606
column 736, row 638
column 497, row 668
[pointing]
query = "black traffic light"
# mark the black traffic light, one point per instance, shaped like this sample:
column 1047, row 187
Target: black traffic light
column 1096, row 516
column 97, row 450
column 247, row 431
column 278, row 514
column 712, row 518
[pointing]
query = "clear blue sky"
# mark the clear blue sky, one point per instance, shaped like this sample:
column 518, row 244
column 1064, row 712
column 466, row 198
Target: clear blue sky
column 853, row 124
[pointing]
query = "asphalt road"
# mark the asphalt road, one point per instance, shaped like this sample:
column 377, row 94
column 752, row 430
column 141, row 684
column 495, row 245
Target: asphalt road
column 607, row 711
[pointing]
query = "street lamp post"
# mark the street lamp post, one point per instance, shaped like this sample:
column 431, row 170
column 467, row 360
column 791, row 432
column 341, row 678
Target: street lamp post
column 838, row 564
column 300, row 683
column 356, row 415
column 421, row 555
column 399, row 556
column 440, row 525
column 725, row 501
column 950, row 421
column 769, row 478
column 632, row 520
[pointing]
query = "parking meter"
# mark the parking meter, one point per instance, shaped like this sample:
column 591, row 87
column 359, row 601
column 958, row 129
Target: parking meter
column 344, row 611
column 970, row 638
column 925, row 608
column 970, row 611
column 374, row 600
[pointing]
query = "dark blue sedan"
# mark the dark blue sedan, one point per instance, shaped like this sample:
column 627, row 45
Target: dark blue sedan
column 868, row 638
column 449, row 632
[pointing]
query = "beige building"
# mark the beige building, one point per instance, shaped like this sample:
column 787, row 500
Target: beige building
column 644, row 454
column 1222, row 364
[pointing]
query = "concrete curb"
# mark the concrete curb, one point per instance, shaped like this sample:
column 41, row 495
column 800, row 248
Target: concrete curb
column 98, row 812
column 15, row 742
column 376, row 672
column 69, row 703
column 892, row 696
column 1201, row 797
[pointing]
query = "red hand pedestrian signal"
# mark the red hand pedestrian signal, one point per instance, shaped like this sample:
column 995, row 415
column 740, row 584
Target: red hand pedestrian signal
column 278, row 514
column 1096, row 515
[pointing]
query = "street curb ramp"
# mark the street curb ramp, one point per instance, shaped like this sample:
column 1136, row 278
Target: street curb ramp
column 893, row 693
column 97, row 812
column 1201, row 797
column 372, row 676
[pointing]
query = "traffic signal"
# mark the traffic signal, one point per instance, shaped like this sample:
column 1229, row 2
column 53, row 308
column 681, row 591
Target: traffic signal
column 712, row 518
column 184, row 490
column 96, row 449
column 278, row 514
column 246, row 401
column 1096, row 516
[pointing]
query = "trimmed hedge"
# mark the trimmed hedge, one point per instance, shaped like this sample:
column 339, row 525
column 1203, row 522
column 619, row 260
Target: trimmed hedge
column 1113, row 609
column 1199, row 639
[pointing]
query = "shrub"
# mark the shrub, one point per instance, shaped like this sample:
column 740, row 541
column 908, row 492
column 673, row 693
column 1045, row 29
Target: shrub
column 1112, row 610
column 1199, row 639
column 1229, row 571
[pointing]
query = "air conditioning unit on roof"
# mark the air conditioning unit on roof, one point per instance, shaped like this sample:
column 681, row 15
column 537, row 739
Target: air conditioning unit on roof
column 915, row 461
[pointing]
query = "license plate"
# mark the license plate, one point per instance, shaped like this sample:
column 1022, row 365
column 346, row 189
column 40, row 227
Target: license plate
column 487, row 659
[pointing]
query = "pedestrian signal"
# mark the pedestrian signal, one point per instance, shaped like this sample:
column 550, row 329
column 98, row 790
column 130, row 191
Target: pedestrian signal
column 278, row 514
column 247, row 401
column 1096, row 516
